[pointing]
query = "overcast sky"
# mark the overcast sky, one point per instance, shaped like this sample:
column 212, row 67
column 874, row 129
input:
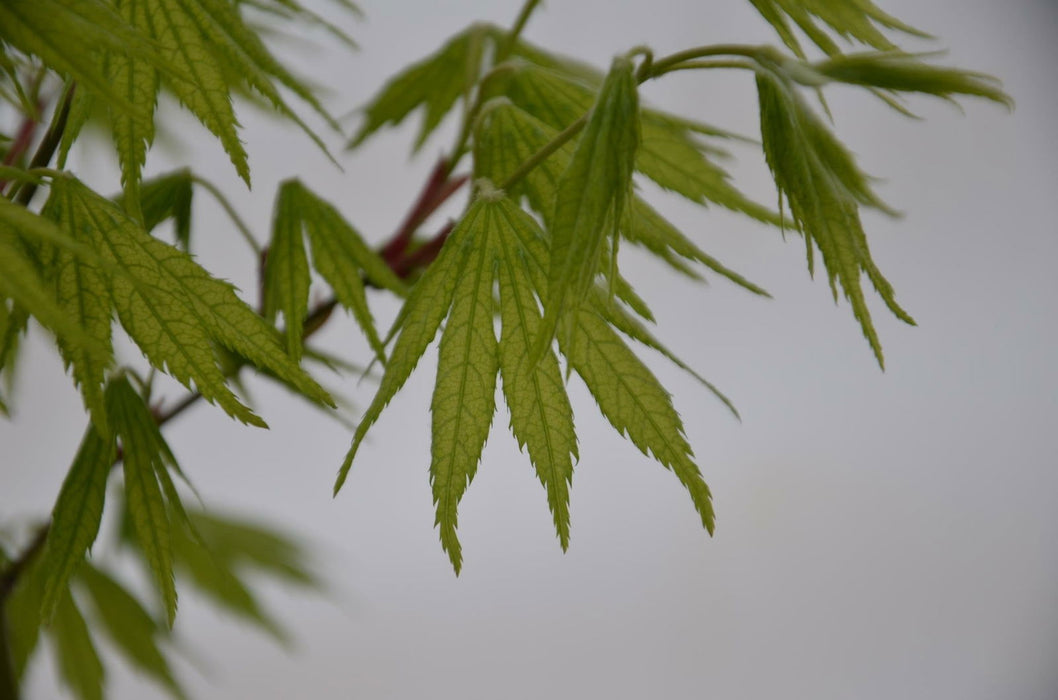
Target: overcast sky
column 880, row 535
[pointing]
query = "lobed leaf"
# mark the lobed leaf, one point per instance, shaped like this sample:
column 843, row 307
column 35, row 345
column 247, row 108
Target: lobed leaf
column 634, row 402
column 823, row 186
column 131, row 628
column 421, row 315
column 78, row 661
column 464, row 395
column 591, row 194
column 434, row 83
column 286, row 274
column 141, row 461
column 541, row 415
column 75, row 518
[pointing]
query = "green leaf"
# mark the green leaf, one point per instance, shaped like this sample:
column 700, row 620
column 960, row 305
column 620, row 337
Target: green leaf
column 236, row 542
column 78, row 661
column 21, row 281
column 175, row 310
column 76, row 516
column 541, row 416
column 465, row 392
column 84, row 295
column 426, row 306
column 68, row 34
column 591, row 193
column 216, row 579
column 133, row 131
column 22, row 613
column 646, row 227
column 339, row 254
column 169, row 196
column 861, row 20
column 175, row 26
column 133, row 631
column 904, row 72
column 286, row 275
column 819, row 178
column 634, row 402
column 143, row 496
column 434, row 83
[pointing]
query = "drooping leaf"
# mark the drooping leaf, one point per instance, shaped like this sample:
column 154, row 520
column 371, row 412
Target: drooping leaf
column 22, row 613
column 76, row 516
column 541, row 416
column 175, row 310
column 818, row 177
column 142, row 459
column 205, row 91
column 861, row 20
column 85, row 298
column 427, row 305
column 464, row 395
column 591, row 195
column 237, row 542
column 215, row 576
column 904, row 72
column 134, row 632
column 79, row 666
column 634, row 401
column 138, row 82
column 339, row 254
column 169, row 196
column 435, row 83
column 68, row 35
column 286, row 276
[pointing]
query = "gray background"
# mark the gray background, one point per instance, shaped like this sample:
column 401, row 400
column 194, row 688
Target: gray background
column 880, row 535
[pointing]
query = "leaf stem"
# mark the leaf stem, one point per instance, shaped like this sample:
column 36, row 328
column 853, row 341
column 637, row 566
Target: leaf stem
column 244, row 230
column 48, row 145
column 540, row 156
column 516, row 30
column 667, row 64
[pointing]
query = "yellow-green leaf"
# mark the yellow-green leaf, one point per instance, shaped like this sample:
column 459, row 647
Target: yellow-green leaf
column 464, row 395
column 133, row 631
column 541, row 416
column 286, row 276
column 79, row 666
column 76, row 516
column 591, row 194
column 634, row 402
column 143, row 496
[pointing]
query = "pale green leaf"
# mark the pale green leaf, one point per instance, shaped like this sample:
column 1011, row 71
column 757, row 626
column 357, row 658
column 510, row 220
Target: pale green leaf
column 133, row 132
column 22, row 613
column 213, row 577
column 903, row 72
column 143, row 496
column 169, row 196
column 76, row 516
column 341, row 257
column 236, row 542
column 68, row 34
column 133, row 631
column 820, row 181
column 541, row 416
column 464, row 396
column 634, row 402
column 427, row 305
column 177, row 308
column 79, row 666
column 591, row 194
column 286, row 275
column 861, row 20
column 435, row 83
column 204, row 90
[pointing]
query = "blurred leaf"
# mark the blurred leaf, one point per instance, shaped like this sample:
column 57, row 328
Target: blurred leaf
column 76, row 516
column 134, row 632
column 78, row 661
